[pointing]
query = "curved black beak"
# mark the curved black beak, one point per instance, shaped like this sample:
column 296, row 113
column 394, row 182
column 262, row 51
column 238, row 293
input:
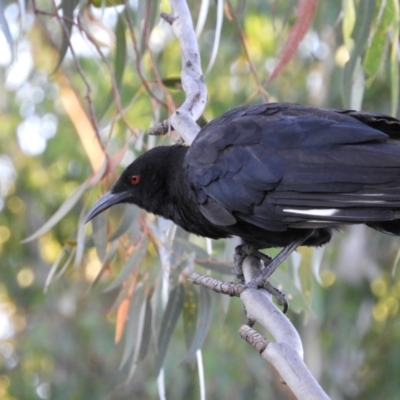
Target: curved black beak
column 108, row 200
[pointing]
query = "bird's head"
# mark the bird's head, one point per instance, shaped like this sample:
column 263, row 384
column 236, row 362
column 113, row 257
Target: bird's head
column 144, row 183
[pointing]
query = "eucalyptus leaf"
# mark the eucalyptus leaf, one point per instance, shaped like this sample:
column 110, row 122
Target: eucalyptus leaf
column 131, row 332
column 99, row 229
column 318, row 253
column 203, row 323
column 53, row 275
column 68, row 7
column 394, row 59
column 60, row 213
column 130, row 265
column 189, row 313
column 139, row 338
column 107, row 259
column 202, row 16
column 202, row 257
column 217, row 36
column 129, row 215
column 80, row 241
column 147, row 330
column 374, row 55
column 365, row 15
column 168, row 323
column 349, row 20
column 119, row 63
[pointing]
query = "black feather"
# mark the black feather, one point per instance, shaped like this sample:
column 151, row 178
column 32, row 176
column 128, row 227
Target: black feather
column 273, row 174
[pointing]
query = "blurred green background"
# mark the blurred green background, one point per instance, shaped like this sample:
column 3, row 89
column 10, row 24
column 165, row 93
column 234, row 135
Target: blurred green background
column 58, row 343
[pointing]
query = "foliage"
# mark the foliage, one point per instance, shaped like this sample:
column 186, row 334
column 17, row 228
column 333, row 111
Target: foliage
column 82, row 85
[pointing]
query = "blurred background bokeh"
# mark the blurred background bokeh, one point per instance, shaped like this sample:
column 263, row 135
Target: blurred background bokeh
column 116, row 65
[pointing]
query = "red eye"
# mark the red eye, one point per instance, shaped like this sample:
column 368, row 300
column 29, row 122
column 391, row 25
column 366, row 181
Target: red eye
column 134, row 179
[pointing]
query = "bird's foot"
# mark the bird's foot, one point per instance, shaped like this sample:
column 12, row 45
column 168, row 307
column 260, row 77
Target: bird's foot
column 280, row 297
column 241, row 252
column 274, row 263
column 244, row 250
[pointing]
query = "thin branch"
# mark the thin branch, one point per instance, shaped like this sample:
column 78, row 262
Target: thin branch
column 229, row 288
column 138, row 56
column 86, row 125
column 170, row 102
column 260, row 89
column 114, row 86
column 254, row 338
column 88, row 95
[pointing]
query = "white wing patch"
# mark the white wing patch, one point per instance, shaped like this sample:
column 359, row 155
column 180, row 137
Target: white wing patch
column 327, row 212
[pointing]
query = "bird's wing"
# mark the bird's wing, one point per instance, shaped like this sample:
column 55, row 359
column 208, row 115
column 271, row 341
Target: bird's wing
column 283, row 165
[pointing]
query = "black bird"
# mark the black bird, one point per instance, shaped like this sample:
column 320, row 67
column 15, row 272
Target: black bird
column 276, row 175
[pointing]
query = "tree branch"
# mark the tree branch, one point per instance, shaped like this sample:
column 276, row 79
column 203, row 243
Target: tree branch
column 286, row 354
column 184, row 118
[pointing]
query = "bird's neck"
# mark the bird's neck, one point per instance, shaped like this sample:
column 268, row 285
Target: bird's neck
column 170, row 186
column 174, row 199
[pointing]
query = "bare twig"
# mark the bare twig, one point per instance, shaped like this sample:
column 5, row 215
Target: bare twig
column 88, row 95
column 86, row 125
column 254, row 338
column 229, row 288
column 138, row 56
column 114, row 86
column 156, row 73
column 260, row 89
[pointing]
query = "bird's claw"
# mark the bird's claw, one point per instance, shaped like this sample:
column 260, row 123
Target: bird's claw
column 244, row 250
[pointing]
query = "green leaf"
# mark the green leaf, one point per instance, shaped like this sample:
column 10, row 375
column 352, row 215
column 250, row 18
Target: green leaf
column 120, row 54
column 349, row 20
column 106, row 3
column 394, row 59
column 202, row 257
column 107, row 259
column 60, row 213
column 203, row 324
column 139, row 338
column 365, row 15
column 68, row 7
column 190, row 312
column 129, row 215
column 130, row 265
column 147, row 330
column 374, row 55
column 217, row 34
column 51, row 276
column 80, row 241
column 99, row 229
column 119, row 63
column 168, row 323
column 318, row 253
column 131, row 332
